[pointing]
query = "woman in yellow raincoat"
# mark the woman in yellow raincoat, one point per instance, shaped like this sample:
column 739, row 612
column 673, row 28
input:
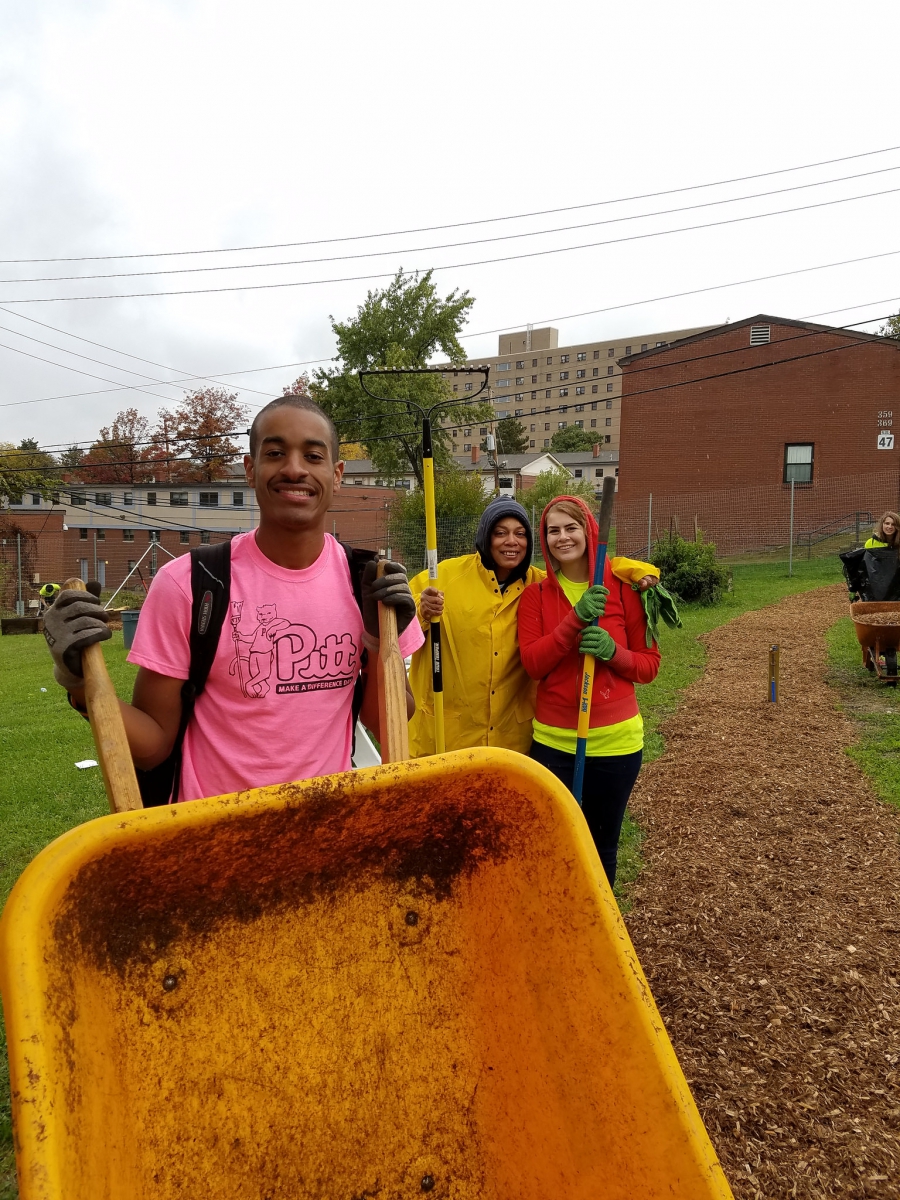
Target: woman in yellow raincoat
column 488, row 695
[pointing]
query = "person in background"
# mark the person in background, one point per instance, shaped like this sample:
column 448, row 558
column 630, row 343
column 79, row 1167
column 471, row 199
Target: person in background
column 488, row 697
column 886, row 532
column 48, row 594
column 555, row 630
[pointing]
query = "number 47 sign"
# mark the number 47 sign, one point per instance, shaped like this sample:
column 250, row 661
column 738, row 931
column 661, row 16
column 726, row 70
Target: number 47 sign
column 885, row 441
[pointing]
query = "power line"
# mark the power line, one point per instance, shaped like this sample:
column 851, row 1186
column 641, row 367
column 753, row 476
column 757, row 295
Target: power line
column 636, row 237
column 459, row 224
column 414, row 434
column 505, row 237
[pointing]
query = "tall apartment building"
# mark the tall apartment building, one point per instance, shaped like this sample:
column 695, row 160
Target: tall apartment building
column 550, row 387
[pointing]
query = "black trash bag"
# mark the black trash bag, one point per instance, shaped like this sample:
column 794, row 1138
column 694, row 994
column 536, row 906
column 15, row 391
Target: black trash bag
column 855, row 573
column 883, row 570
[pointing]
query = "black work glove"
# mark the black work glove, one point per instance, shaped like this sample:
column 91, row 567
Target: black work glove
column 75, row 620
column 391, row 589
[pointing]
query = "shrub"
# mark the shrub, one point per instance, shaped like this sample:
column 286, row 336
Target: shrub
column 690, row 569
column 459, row 501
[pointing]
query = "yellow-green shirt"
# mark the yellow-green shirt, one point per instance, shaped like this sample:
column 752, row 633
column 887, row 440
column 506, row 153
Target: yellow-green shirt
column 625, row 737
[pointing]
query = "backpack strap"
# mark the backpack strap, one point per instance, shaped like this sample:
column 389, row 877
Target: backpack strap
column 356, row 561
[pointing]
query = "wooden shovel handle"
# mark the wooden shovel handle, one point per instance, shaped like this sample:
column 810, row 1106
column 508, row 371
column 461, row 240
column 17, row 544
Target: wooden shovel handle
column 391, row 680
column 107, row 726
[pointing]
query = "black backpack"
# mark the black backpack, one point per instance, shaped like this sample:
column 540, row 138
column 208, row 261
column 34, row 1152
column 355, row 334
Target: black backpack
column 211, row 596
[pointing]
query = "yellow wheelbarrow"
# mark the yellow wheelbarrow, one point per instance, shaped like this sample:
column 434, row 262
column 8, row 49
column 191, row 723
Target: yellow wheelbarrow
column 410, row 980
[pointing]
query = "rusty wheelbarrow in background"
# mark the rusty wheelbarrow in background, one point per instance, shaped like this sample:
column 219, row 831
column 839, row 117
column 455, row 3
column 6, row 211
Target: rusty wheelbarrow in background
column 408, row 980
column 879, row 637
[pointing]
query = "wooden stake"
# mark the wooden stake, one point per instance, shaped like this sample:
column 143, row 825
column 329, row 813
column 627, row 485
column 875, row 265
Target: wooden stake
column 107, row 726
column 391, row 680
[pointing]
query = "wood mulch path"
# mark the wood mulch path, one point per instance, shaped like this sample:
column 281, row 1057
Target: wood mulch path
column 767, row 918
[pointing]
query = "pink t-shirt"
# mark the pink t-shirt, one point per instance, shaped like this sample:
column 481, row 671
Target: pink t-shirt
column 277, row 704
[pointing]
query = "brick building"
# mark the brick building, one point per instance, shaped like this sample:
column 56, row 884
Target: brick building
column 725, row 420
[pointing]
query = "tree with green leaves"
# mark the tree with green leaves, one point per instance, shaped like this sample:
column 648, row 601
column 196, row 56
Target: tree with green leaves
column 459, row 501
column 891, row 328
column 512, row 437
column 571, row 440
column 26, row 468
column 549, row 485
column 402, row 325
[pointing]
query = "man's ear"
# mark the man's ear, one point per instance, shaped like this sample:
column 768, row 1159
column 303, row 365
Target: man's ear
column 338, row 473
column 248, row 469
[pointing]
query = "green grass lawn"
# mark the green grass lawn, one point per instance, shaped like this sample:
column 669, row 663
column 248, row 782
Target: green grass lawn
column 874, row 708
column 43, row 794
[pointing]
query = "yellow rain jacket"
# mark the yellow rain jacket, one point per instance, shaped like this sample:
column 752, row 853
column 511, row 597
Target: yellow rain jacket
column 488, row 697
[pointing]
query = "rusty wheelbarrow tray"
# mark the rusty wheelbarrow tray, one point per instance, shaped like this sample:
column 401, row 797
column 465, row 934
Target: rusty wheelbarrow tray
column 409, row 980
column 880, row 643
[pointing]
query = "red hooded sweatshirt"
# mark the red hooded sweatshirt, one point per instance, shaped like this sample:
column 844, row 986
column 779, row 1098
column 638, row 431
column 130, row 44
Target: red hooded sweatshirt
column 549, row 635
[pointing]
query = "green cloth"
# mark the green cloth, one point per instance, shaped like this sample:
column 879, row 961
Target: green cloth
column 658, row 603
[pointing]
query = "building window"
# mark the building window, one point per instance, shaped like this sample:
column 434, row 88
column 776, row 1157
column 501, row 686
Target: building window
column 595, row 371
column 82, row 533
column 580, row 374
column 658, row 344
column 534, row 362
column 35, row 497
column 469, row 386
column 562, row 425
column 178, row 499
column 564, row 392
column 519, row 412
column 607, row 438
column 594, row 389
column 548, row 377
column 564, row 358
column 798, row 463
column 518, row 397
column 456, row 431
column 598, row 472
column 237, row 499
column 151, row 498
column 578, row 472
column 456, row 387
column 532, row 429
column 520, row 381
column 505, row 481
column 531, row 444
column 546, row 441
column 609, row 387
column 520, row 365
column 617, row 472
column 204, row 537
column 609, row 404
column 359, row 482
column 502, row 383
column 609, row 420
column 483, row 430
column 153, row 535
column 593, row 423
column 594, row 405
column 127, row 535
column 184, row 537
column 467, row 445
column 549, row 360
column 547, row 394
column 579, row 407
column 564, row 374
column 760, row 335
column 534, row 395
column 103, row 499
column 503, row 366
column 579, row 391
column 132, row 563
column 209, row 499
column 643, row 347
column 627, row 350
column 579, row 424
column 534, row 379
column 533, row 410
column 128, row 498
column 467, row 433
column 581, row 356
column 546, row 426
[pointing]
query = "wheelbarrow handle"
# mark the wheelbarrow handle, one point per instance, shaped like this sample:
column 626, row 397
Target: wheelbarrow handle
column 391, row 681
column 107, row 725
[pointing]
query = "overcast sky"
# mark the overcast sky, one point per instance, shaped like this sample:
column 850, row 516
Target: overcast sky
column 136, row 128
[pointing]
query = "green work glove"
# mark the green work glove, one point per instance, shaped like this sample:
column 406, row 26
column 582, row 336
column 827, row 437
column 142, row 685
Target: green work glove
column 658, row 603
column 597, row 641
column 592, row 603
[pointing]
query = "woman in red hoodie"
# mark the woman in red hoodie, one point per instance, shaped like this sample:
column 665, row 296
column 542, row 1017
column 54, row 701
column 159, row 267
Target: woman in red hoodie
column 553, row 617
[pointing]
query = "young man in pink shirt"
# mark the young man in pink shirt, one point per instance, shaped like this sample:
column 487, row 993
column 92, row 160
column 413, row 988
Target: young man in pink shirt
column 277, row 705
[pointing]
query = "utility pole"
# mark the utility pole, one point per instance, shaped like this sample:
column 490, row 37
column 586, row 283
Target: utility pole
column 20, row 604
